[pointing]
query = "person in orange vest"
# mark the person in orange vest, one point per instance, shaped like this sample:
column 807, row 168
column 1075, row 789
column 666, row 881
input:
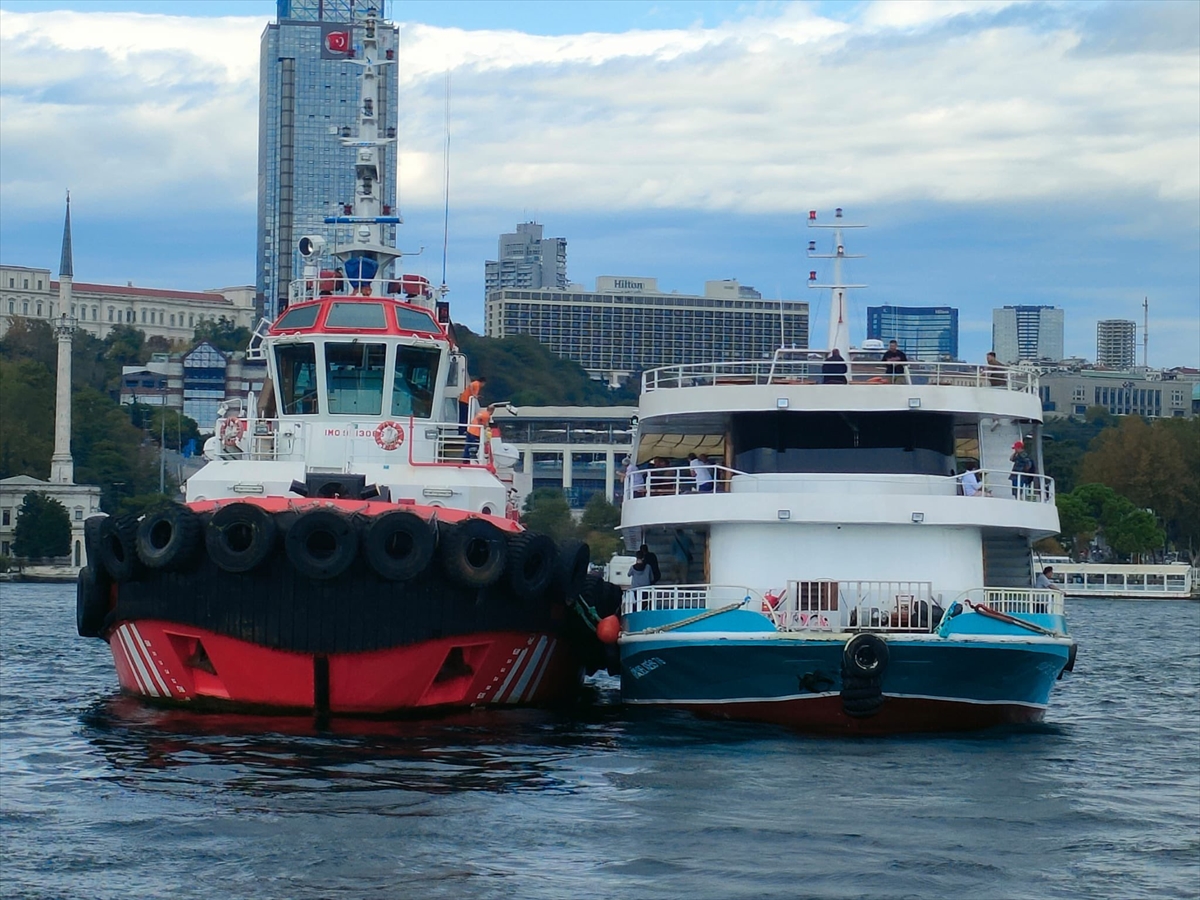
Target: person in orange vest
column 479, row 429
column 464, row 399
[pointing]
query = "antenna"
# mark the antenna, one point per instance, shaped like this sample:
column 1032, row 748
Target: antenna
column 1146, row 332
column 446, row 163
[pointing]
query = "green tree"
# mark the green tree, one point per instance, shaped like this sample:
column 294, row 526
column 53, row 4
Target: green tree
column 26, row 418
column 546, row 511
column 598, row 525
column 222, row 334
column 1134, row 531
column 1077, row 524
column 43, row 527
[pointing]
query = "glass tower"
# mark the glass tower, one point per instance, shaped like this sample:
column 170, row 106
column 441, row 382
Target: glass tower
column 308, row 95
column 927, row 333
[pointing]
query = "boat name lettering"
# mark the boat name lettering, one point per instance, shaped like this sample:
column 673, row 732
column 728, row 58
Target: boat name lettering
column 349, row 432
column 645, row 668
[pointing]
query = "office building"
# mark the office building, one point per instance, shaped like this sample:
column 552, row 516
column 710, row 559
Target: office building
column 1027, row 333
column 1153, row 393
column 308, row 99
column 628, row 325
column 1116, row 343
column 525, row 259
column 926, row 333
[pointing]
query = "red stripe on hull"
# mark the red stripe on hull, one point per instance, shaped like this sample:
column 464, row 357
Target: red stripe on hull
column 162, row 660
column 898, row 715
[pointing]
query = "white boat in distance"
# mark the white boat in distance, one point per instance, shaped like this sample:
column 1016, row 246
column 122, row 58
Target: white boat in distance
column 1125, row 581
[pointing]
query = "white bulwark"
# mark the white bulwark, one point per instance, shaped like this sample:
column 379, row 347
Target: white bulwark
column 627, row 324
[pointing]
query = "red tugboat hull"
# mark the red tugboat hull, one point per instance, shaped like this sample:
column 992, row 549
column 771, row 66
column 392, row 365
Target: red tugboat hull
column 165, row 662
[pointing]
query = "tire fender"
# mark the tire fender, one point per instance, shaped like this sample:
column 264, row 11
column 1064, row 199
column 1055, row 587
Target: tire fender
column 399, row 545
column 240, row 536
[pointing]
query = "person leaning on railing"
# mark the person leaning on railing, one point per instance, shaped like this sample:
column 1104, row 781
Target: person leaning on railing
column 994, row 371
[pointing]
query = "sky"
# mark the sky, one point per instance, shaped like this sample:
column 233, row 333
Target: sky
column 999, row 152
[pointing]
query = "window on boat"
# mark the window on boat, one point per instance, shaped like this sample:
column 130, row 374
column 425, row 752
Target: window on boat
column 298, row 317
column 415, row 320
column 356, row 314
column 297, row 365
column 415, row 381
column 1175, row 582
column 905, row 443
column 354, row 378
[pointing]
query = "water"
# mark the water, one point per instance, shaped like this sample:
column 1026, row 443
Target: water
column 100, row 797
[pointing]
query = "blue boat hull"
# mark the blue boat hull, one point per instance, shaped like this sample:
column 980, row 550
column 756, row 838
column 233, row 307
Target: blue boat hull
column 928, row 684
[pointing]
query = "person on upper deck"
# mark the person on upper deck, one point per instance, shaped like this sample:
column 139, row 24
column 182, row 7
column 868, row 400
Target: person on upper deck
column 894, row 355
column 464, row 399
column 833, row 370
column 994, row 370
column 970, row 480
column 702, row 473
column 1023, row 469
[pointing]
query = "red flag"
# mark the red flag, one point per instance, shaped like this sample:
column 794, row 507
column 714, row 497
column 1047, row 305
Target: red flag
column 337, row 41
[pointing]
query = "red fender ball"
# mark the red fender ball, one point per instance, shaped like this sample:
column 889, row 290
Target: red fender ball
column 608, row 629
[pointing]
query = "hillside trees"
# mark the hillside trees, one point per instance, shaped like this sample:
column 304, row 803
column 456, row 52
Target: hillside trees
column 43, row 528
column 546, row 511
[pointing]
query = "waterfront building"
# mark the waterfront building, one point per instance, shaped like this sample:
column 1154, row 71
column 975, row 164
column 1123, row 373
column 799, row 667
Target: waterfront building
column 1116, row 343
column 628, row 325
column 80, row 501
column 526, row 260
column 1153, row 393
column 308, row 100
column 926, row 333
column 1027, row 333
column 577, row 449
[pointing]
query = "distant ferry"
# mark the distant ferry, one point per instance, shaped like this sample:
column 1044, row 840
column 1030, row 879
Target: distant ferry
column 1125, row 581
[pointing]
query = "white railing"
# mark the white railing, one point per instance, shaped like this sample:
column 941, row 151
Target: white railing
column 684, row 596
column 808, row 367
column 449, row 445
column 1018, row 601
column 672, row 481
column 259, row 439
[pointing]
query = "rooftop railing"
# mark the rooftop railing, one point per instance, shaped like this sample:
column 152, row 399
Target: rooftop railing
column 811, row 367
column 675, row 481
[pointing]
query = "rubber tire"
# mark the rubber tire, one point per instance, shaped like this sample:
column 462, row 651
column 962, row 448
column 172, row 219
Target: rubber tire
column 117, row 551
column 91, row 601
column 168, row 537
column 239, row 537
column 532, row 564
column 865, row 656
column 91, row 539
column 399, row 545
column 473, row 553
column 573, row 559
column 321, row 544
column 609, row 602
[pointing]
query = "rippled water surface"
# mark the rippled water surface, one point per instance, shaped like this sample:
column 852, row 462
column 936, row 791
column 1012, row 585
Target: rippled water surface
column 101, row 797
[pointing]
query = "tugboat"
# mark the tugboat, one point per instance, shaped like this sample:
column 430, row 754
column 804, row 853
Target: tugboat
column 351, row 547
column 837, row 569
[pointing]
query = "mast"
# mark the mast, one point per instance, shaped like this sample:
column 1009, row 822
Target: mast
column 839, row 325
column 1146, row 332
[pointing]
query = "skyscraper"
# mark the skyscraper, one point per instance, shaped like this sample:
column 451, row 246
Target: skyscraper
column 1116, row 343
column 526, row 260
column 928, row 333
column 1027, row 333
column 308, row 99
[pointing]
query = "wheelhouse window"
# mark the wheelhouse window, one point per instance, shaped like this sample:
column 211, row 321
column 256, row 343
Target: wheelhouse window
column 354, row 378
column 356, row 315
column 415, row 320
column 415, row 381
column 904, row 443
column 297, row 365
column 298, row 317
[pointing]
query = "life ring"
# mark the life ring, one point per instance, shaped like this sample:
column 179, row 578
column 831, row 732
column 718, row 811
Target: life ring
column 91, row 601
column 532, row 562
column 240, row 536
column 321, row 544
column 878, row 379
column 399, row 545
column 473, row 552
column 118, row 536
column 168, row 537
column 389, row 435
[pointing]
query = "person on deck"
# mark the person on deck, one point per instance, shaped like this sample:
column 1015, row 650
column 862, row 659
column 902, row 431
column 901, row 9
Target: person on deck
column 994, row 370
column 894, row 355
column 702, row 473
column 1022, row 470
column 464, row 399
column 1044, row 579
column 970, row 481
column 478, row 430
column 833, row 370
column 652, row 562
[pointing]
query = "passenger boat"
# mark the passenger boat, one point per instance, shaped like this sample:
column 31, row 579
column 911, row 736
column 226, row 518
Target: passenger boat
column 348, row 548
column 1125, row 581
column 823, row 567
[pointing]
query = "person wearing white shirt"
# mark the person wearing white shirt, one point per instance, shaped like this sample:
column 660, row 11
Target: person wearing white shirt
column 970, row 481
column 702, row 473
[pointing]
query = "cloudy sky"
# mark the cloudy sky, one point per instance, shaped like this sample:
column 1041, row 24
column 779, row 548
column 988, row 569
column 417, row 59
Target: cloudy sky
column 1001, row 153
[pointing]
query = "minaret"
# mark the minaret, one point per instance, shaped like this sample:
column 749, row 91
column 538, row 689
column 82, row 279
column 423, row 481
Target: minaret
column 62, row 467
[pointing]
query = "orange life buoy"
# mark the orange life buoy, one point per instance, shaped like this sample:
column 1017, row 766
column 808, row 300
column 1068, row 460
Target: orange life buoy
column 389, row 435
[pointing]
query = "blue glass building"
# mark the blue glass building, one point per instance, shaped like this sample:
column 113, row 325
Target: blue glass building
column 308, row 94
column 928, row 333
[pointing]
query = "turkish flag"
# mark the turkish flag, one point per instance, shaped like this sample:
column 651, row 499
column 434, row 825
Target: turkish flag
column 337, row 41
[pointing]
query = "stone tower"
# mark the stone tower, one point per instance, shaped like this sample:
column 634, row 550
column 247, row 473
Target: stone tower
column 62, row 466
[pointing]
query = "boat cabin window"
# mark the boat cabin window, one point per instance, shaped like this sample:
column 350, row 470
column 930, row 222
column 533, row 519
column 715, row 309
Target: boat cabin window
column 356, row 314
column 297, row 365
column 416, row 379
column 298, row 317
column 904, row 443
column 415, row 320
column 354, row 378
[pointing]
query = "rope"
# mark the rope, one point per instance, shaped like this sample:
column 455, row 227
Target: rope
column 708, row 613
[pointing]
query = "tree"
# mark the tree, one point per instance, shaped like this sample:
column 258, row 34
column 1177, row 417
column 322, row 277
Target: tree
column 1077, row 524
column 1134, row 531
column 43, row 527
column 546, row 511
column 222, row 334
column 598, row 525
